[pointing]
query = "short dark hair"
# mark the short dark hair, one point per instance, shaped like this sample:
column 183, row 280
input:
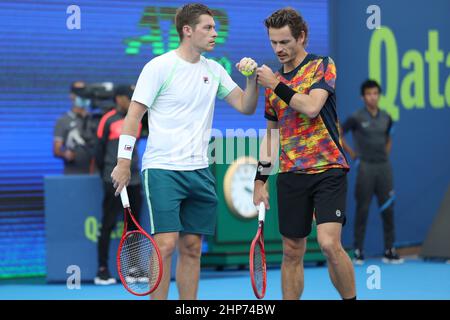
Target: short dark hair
column 369, row 84
column 188, row 15
column 123, row 90
column 288, row 17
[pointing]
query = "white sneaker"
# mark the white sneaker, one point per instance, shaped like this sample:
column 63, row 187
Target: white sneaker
column 104, row 278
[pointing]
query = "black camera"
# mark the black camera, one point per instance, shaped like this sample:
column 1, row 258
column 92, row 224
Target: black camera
column 101, row 99
column 100, row 96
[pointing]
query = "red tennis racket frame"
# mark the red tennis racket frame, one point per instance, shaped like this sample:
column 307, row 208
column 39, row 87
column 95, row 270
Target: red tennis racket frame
column 125, row 233
column 259, row 239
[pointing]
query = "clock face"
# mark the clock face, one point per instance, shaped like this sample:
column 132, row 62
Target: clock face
column 242, row 190
column 238, row 187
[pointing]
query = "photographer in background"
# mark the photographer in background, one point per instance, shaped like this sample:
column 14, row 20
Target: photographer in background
column 108, row 133
column 72, row 134
column 371, row 128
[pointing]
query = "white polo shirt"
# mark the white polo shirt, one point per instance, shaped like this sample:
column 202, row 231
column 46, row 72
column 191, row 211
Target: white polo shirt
column 180, row 97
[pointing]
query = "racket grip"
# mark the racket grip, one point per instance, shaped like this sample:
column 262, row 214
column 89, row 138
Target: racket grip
column 124, row 198
column 262, row 211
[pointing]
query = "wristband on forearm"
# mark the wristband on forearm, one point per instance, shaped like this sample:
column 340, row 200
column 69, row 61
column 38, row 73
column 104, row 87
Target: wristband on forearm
column 263, row 171
column 126, row 146
column 284, row 92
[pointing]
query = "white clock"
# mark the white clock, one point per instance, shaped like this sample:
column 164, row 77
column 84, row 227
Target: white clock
column 238, row 185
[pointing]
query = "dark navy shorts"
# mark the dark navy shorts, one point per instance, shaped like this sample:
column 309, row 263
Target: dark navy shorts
column 302, row 196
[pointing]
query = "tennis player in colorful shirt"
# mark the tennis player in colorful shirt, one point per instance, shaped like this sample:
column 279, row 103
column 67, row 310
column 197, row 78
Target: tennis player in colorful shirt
column 178, row 90
column 312, row 175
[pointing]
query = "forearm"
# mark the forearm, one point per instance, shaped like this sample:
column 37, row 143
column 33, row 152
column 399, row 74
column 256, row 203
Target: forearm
column 131, row 124
column 58, row 151
column 250, row 96
column 388, row 146
column 268, row 157
column 268, row 151
column 305, row 104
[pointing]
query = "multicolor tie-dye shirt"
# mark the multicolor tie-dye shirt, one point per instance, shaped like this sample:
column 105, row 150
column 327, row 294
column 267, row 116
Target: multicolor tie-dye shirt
column 308, row 145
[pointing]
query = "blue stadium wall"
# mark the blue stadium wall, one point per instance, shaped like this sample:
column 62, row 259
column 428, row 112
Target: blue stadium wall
column 416, row 93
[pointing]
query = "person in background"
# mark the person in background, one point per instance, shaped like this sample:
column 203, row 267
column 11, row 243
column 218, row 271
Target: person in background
column 108, row 133
column 371, row 129
column 72, row 136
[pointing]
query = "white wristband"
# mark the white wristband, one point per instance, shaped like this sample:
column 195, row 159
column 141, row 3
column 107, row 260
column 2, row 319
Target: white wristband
column 126, row 146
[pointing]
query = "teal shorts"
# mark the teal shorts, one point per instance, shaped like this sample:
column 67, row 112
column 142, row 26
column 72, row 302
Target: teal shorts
column 181, row 201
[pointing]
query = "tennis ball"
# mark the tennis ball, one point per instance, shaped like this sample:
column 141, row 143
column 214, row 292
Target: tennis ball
column 247, row 72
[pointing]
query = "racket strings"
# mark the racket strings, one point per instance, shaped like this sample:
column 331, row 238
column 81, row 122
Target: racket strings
column 139, row 263
column 259, row 267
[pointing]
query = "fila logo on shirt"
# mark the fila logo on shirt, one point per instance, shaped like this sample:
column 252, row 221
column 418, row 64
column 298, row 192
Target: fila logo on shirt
column 205, row 80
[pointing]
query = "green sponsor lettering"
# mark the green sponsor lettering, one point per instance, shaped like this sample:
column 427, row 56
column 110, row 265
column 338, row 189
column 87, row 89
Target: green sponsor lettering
column 413, row 87
column 90, row 228
column 380, row 37
column 434, row 57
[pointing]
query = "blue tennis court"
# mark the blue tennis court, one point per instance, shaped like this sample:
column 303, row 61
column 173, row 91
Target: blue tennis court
column 415, row 279
column 329, row 112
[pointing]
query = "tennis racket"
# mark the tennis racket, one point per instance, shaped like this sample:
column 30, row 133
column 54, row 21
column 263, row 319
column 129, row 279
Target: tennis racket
column 138, row 259
column 258, row 274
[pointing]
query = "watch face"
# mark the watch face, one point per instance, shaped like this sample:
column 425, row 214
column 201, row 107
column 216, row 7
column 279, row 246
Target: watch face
column 242, row 190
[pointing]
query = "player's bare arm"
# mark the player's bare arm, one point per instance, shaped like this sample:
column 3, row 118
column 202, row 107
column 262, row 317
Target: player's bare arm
column 268, row 153
column 245, row 101
column 308, row 104
column 121, row 174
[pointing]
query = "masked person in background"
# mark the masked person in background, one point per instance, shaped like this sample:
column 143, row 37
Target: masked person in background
column 72, row 136
column 108, row 133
